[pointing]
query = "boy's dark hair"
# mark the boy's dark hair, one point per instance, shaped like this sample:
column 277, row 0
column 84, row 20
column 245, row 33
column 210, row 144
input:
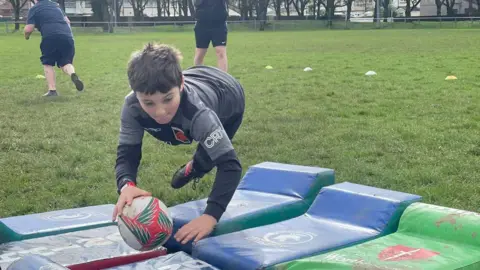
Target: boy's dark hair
column 155, row 69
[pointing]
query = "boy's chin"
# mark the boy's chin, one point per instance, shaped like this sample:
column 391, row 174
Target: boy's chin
column 163, row 121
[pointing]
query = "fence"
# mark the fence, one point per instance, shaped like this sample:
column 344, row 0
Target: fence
column 270, row 25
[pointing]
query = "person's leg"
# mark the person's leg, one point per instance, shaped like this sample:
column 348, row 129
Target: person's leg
column 219, row 42
column 201, row 163
column 199, row 56
column 50, row 77
column 67, row 52
column 202, row 40
column 48, row 50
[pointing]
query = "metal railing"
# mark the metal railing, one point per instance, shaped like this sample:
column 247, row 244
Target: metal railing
column 270, row 25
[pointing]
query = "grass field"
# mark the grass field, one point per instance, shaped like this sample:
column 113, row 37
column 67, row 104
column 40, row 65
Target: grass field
column 405, row 129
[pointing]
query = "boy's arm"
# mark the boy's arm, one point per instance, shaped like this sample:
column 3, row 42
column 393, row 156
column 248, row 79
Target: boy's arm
column 129, row 150
column 208, row 131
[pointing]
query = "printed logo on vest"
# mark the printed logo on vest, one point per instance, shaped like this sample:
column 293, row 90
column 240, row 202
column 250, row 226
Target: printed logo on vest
column 180, row 135
column 214, row 138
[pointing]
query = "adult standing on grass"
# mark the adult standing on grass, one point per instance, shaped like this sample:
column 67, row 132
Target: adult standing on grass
column 211, row 25
column 57, row 45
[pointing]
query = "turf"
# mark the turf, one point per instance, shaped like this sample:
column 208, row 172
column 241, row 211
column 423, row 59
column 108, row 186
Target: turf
column 405, row 129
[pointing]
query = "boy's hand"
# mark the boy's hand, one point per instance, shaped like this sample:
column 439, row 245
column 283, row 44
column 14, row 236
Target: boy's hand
column 126, row 197
column 197, row 228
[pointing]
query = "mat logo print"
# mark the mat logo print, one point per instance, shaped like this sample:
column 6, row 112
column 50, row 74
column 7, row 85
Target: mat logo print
column 68, row 216
column 283, row 238
column 404, row 253
column 339, row 258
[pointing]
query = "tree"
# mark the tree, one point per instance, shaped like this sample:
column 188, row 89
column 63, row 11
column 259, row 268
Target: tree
column 277, row 6
column 138, row 7
column 102, row 14
column 287, row 4
column 348, row 3
column 409, row 8
column 450, row 4
column 330, row 6
column 62, row 4
column 17, row 7
column 115, row 6
column 300, row 6
column 261, row 10
column 439, row 4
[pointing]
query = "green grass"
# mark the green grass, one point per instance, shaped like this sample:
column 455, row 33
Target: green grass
column 405, row 129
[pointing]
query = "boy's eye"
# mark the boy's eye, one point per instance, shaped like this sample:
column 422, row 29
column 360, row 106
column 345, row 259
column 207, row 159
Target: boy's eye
column 167, row 100
column 149, row 104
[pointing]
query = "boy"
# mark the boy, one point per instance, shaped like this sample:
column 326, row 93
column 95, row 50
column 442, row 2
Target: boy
column 203, row 104
column 57, row 46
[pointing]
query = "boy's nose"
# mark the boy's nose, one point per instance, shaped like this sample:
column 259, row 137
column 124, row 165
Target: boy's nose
column 160, row 112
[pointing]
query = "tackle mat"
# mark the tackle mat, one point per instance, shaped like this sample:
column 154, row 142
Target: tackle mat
column 269, row 192
column 342, row 214
column 174, row 261
column 429, row 237
column 54, row 222
column 35, row 262
column 87, row 249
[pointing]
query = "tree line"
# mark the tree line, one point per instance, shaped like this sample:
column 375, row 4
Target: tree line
column 105, row 10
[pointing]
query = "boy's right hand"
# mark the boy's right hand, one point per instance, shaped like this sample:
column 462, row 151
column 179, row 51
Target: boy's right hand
column 126, row 197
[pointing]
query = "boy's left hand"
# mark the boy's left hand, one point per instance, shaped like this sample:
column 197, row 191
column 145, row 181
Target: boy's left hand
column 197, row 228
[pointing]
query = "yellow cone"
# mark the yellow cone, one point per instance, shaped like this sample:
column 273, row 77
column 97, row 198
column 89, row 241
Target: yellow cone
column 451, row 77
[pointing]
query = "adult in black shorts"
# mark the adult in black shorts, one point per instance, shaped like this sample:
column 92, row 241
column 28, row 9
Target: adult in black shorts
column 57, row 45
column 211, row 25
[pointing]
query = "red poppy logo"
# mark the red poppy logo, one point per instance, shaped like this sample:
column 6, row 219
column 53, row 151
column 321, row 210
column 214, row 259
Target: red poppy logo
column 180, row 135
column 403, row 253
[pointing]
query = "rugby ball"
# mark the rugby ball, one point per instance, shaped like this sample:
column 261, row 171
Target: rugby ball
column 146, row 224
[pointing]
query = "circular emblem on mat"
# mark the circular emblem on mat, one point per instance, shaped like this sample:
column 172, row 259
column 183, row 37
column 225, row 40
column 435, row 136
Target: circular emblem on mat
column 232, row 204
column 68, row 217
column 289, row 237
column 235, row 203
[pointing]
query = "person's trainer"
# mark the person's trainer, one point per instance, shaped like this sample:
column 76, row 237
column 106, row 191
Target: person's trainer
column 57, row 45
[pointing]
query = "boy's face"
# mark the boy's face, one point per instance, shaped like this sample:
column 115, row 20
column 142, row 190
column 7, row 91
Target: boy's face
column 159, row 106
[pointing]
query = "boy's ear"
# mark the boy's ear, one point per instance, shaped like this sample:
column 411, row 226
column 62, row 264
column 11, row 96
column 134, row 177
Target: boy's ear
column 181, row 86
